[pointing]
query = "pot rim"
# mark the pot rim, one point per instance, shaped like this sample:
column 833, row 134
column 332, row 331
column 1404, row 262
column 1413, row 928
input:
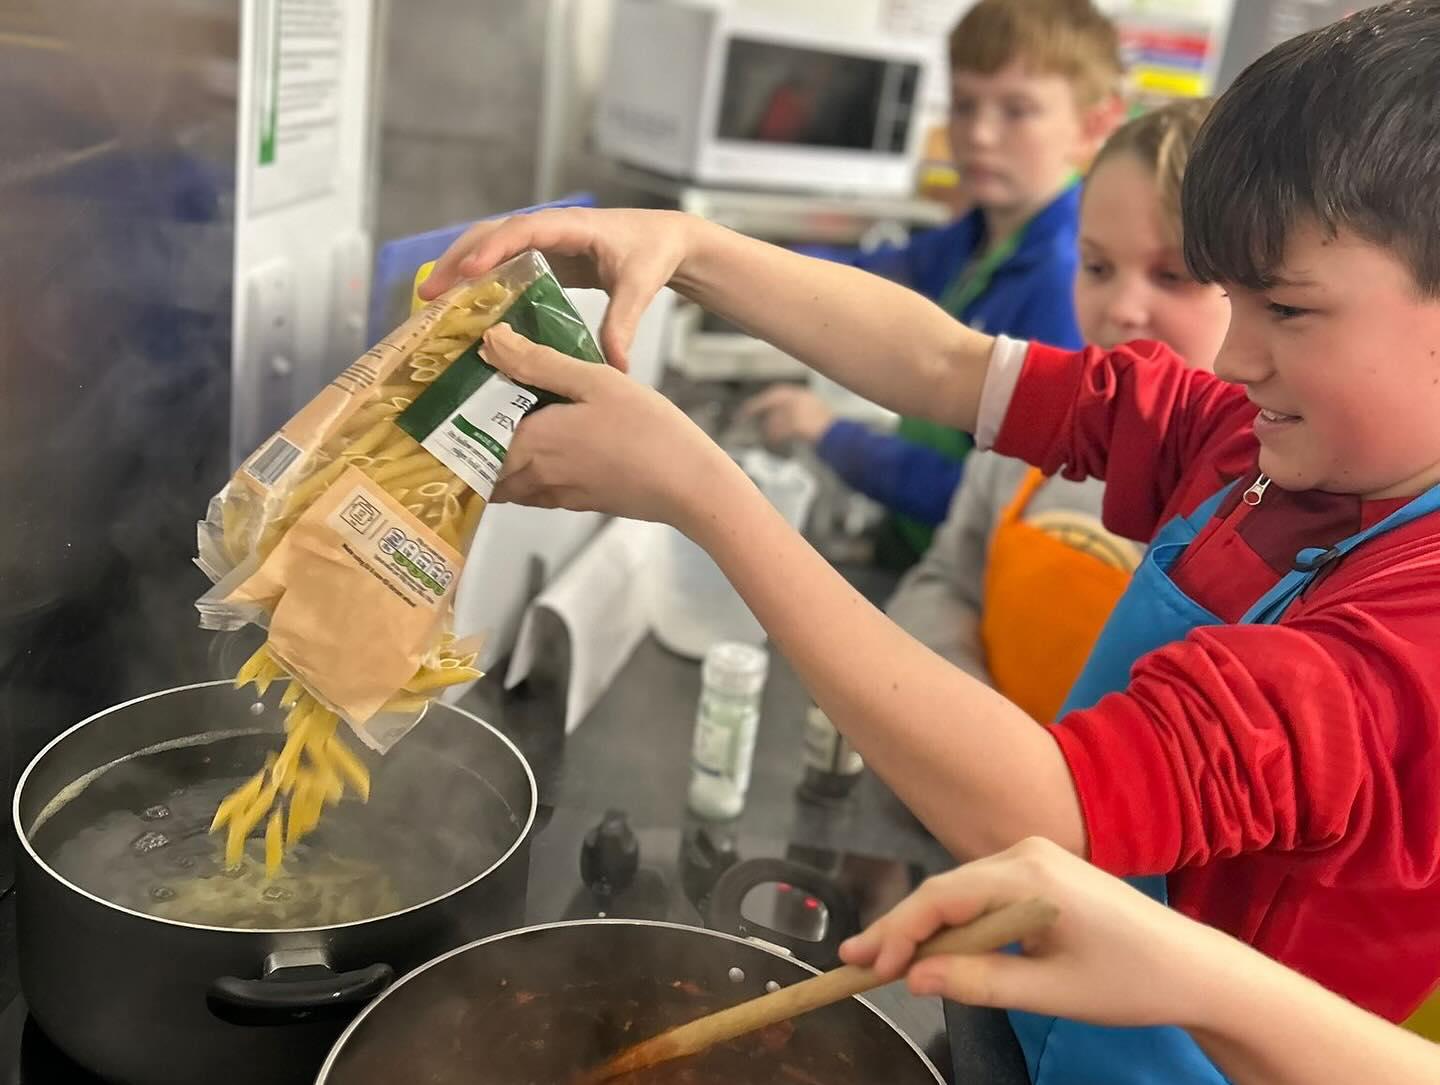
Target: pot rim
column 21, row 835
column 752, row 943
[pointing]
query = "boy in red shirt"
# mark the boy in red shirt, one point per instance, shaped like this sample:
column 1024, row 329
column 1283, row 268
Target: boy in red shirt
column 1257, row 737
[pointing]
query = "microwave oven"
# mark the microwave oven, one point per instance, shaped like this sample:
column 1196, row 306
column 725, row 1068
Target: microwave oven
column 723, row 97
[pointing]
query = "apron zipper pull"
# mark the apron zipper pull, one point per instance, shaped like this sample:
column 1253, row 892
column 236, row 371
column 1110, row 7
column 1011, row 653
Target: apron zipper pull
column 1253, row 496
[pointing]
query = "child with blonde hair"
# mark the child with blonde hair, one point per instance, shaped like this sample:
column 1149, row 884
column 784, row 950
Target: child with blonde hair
column 1023, row 573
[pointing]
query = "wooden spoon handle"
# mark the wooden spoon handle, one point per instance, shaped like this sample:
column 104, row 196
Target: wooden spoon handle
column 989, row 932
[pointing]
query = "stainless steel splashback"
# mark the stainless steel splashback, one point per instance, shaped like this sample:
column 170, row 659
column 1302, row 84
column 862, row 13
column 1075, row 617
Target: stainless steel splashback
column 117, row 181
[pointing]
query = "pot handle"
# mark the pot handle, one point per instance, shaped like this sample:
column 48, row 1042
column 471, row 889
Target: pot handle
column 725, row 912
column 297, row 988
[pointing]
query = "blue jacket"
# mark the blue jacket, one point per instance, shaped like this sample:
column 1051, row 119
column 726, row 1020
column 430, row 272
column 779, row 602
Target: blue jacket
column 1028, row 297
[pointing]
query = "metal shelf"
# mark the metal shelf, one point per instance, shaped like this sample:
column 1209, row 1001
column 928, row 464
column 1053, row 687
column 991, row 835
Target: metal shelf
column 817, row 217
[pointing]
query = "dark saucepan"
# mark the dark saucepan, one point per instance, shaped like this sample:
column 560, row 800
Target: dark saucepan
column 540, row 1006
column 146, row 963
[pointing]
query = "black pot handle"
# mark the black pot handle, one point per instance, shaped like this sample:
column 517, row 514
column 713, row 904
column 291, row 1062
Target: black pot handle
column 725, row 914
column 301, row 992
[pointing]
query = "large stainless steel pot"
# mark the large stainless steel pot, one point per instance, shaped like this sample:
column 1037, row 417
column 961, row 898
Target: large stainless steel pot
column 143, row 999
column 543, row 1004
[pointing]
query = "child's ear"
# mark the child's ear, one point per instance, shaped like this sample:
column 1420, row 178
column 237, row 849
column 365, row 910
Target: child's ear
column 1097, row 121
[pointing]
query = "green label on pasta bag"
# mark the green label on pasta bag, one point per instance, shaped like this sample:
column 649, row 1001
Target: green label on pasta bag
column 542, row 314
column 468, row 415
column 450, row 389
column 494, row 447
column 473, row 440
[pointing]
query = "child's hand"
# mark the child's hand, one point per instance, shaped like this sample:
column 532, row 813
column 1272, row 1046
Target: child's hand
column 628, row 254
column 1112, row 958
column 618, row 447
column 788, row 412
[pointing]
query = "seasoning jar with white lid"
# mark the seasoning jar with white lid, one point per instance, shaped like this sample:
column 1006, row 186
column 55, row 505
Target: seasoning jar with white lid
column 726, row 722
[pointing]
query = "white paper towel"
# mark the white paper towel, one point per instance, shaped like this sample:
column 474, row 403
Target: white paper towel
column 694, row 605
column 602, row 601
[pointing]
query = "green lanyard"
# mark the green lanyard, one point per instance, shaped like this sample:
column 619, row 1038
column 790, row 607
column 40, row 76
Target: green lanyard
column 975, row 279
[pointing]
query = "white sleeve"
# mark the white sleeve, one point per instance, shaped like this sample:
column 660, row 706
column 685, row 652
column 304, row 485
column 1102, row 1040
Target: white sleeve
column 1007, row 358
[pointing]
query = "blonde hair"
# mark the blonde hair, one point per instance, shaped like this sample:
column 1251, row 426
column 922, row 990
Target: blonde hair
column 1069, row 38
column 1161, row 139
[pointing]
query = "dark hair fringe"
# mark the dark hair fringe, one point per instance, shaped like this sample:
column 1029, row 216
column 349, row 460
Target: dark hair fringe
column 1340, row 126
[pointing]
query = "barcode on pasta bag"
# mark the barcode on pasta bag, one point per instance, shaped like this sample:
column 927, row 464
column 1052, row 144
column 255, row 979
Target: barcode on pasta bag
column 272, row 461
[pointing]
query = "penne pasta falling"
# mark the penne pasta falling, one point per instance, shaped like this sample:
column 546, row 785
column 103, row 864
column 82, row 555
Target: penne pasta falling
column 358, row 514
column 316, row 766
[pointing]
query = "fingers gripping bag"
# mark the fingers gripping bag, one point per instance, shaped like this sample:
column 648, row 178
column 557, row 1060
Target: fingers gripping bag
column 344, row 535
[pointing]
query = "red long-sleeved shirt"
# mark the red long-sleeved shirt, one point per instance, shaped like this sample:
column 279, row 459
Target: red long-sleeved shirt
column 1287, row 776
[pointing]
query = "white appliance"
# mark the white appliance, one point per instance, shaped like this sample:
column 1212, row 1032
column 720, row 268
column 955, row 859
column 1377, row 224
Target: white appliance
column 728, row 96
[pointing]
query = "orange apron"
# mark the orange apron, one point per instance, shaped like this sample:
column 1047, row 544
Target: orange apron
column 1046, row 600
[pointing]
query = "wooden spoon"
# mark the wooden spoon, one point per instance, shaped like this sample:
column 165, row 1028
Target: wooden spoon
column 989, row 932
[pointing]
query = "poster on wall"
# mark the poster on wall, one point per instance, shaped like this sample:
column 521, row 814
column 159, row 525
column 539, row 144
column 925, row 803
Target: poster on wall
column 1171, row 47
column 300, row 59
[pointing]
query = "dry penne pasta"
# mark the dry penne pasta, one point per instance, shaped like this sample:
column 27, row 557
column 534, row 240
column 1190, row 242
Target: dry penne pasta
column 442, row 346
column 474, row 506
column 397, row 444
column 236, row 799
column 315, row 766
column 234, row 843
column 292, row 694
column 350, row 767
column 401, row 386
column 417, row 475
column 438, row 679
column 274, row 843
column 367, row 421
column 358, row 514
column 449, row 532
column 415, row 460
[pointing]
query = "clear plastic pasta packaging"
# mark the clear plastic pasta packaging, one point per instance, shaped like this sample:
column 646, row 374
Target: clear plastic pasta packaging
column 344, row 534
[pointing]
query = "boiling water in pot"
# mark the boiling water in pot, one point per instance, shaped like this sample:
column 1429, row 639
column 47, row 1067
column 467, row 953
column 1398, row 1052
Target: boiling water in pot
column 137, row 834
column 163, row 861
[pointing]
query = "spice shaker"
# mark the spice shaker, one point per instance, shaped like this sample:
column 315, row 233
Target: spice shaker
column 728, row 716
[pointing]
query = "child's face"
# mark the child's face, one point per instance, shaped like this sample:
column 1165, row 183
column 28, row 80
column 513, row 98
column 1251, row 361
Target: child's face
column 1343, row 357
column 1015, row 136
column 1132, row 283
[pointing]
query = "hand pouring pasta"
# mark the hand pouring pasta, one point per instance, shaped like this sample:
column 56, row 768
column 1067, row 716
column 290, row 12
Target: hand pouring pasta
column 344, row 536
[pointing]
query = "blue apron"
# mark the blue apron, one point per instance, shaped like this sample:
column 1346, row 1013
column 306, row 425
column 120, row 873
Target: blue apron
column 1154, row 612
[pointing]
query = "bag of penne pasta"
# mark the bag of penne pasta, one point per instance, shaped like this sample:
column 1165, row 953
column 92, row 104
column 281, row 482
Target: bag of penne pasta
column 344, row 534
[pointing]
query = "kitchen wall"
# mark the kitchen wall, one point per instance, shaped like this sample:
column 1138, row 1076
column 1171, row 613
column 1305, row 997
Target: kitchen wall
column 460, row 114
column 474, row 120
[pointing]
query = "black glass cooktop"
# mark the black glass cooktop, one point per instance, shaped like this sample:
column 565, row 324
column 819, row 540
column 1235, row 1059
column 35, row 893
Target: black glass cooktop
column 587, row 864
